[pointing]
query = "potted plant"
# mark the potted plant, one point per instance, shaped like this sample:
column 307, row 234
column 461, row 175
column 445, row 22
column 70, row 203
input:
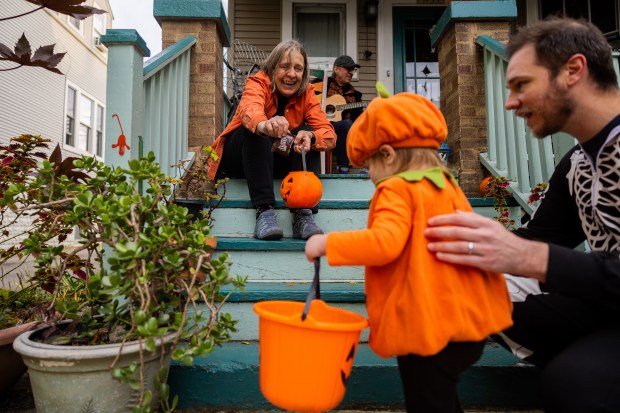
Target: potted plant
column 142, row 279
column 24, row 302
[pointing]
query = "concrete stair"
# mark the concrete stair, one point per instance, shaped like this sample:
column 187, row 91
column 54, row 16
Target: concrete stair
column 277, row 270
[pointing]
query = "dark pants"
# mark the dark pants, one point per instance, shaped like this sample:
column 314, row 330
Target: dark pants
column 429, row 382
column 247, row 155
column 577, row 346
column 342, row 131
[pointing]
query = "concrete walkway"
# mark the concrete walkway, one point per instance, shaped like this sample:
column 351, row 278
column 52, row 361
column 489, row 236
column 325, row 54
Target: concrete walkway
column 20, row 400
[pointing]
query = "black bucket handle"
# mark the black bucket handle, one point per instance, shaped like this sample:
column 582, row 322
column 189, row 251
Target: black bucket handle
column 315, row 289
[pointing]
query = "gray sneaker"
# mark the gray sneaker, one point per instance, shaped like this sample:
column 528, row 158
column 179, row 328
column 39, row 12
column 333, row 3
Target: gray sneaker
column 303, row 224
column 267, row 227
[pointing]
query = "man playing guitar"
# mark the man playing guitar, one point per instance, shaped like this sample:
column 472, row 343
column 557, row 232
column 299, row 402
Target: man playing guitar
column 339, row 83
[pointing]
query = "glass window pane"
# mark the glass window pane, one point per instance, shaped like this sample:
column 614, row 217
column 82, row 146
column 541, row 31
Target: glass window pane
column 577, row 9
column 84, row 141
column 429, row 88
column 319, row 29
column 99, row 143
column 99, row 21
column 70, row 131
column 86, row 110
column 604, row 15
column 75, row 23
column 83, row 138
column 551, row 7
column 70, row 117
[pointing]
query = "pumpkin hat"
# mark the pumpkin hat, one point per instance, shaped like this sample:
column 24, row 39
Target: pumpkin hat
column 405, row 120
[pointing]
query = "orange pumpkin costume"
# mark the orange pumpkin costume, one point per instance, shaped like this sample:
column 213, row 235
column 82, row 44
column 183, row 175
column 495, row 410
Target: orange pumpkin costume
column 416, row 304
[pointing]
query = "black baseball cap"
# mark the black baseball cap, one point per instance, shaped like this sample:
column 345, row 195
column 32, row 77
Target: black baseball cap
column 345, row 61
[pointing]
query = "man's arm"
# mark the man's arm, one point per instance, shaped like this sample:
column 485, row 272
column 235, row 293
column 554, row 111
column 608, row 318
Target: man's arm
column 557, row 218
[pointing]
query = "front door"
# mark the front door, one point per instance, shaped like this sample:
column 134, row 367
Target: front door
column 416, row 67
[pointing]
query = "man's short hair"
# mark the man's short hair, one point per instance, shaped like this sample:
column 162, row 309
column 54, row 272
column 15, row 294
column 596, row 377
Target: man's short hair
column 557, row 39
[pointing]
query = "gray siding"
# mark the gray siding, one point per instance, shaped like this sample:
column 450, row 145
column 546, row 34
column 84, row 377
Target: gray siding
column 34, row 98
column 258, row 22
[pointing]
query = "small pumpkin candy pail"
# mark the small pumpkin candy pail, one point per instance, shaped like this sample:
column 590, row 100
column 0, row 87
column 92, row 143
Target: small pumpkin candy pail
column 306, row 351
column 301, row 189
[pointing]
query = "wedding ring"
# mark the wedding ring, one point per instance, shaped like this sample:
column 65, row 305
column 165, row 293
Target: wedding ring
column 470, row 248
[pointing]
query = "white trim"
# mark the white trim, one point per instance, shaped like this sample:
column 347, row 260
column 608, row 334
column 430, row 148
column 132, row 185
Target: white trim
column 385, row 45
column 350, row 26
column 74, row 149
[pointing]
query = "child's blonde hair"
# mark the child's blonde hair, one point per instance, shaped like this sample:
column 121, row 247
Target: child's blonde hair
column 422, row 158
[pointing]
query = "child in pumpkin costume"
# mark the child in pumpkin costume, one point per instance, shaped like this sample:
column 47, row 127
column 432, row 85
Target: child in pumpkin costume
column 432, row 315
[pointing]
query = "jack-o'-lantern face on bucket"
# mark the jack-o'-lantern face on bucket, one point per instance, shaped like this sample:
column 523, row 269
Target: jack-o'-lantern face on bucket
column 301, row 189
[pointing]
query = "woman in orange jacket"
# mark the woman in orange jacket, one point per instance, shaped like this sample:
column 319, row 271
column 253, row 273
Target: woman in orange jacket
column 433, row 316
column 277, row 102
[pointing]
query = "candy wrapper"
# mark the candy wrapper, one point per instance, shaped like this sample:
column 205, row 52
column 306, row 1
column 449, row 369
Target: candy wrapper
column 282, row 145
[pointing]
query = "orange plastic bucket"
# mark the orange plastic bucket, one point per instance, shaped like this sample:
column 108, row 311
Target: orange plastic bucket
column 304, row 365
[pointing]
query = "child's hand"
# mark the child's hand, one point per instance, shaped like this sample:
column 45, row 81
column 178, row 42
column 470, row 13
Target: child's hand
column 315, row 247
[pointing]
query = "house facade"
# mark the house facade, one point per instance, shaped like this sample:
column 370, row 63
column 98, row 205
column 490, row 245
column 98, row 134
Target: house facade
column 69, row 109
column 390, row 39
column 404, row 44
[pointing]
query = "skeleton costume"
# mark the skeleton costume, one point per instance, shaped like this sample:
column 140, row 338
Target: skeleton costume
column 572, row 321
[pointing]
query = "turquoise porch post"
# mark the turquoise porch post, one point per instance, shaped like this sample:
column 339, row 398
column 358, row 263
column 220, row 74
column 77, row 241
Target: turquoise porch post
column 124, row 91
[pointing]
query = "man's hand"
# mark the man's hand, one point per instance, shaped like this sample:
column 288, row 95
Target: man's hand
column 470, row 239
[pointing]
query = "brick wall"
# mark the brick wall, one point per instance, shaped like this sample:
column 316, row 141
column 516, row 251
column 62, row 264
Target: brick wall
column 205, row 95
column 461, row 65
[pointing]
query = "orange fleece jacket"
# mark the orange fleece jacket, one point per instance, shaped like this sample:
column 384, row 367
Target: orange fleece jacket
column 417, row 304
column 259, row 103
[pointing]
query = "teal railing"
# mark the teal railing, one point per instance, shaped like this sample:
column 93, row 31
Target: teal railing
column 512, row 151
column 166, row 104
column 151, row 99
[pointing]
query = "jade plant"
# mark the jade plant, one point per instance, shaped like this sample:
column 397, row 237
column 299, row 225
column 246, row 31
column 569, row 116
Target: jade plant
column 140, row 269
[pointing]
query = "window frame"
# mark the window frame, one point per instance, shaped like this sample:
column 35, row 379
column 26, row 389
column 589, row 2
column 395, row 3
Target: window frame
column 95, row 127
column 79, row 28
column 611, row 36
column 96, row 32
column 349, row 28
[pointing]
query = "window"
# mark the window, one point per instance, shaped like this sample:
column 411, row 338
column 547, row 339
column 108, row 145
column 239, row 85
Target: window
column 99, row 137
column 320, row 30
column 84, row 123
column 602, row 13
column 75, row 23
column 70, row 117
column 84, row 141
column 99, row 28
column 327, row 29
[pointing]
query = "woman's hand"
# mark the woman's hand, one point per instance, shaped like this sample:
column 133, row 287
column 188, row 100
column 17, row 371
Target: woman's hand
column 303, row 140
column 275, row 127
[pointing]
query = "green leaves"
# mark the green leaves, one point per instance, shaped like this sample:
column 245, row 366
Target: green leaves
column 140, row 264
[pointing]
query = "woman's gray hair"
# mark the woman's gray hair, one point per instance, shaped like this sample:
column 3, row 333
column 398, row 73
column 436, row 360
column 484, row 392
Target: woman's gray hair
column 283, row 49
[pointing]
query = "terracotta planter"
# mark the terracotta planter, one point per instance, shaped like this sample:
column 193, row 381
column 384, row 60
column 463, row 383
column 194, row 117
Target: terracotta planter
column 13, row 368
column 79, row 379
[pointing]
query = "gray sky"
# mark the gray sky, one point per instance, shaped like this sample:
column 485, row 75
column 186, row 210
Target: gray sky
column 138, row 15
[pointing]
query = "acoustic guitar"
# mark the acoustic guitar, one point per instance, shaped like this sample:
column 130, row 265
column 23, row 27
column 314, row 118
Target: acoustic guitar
column 336, row 104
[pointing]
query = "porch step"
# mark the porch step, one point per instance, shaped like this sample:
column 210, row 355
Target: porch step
column 278, row 270
column 228, row 380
